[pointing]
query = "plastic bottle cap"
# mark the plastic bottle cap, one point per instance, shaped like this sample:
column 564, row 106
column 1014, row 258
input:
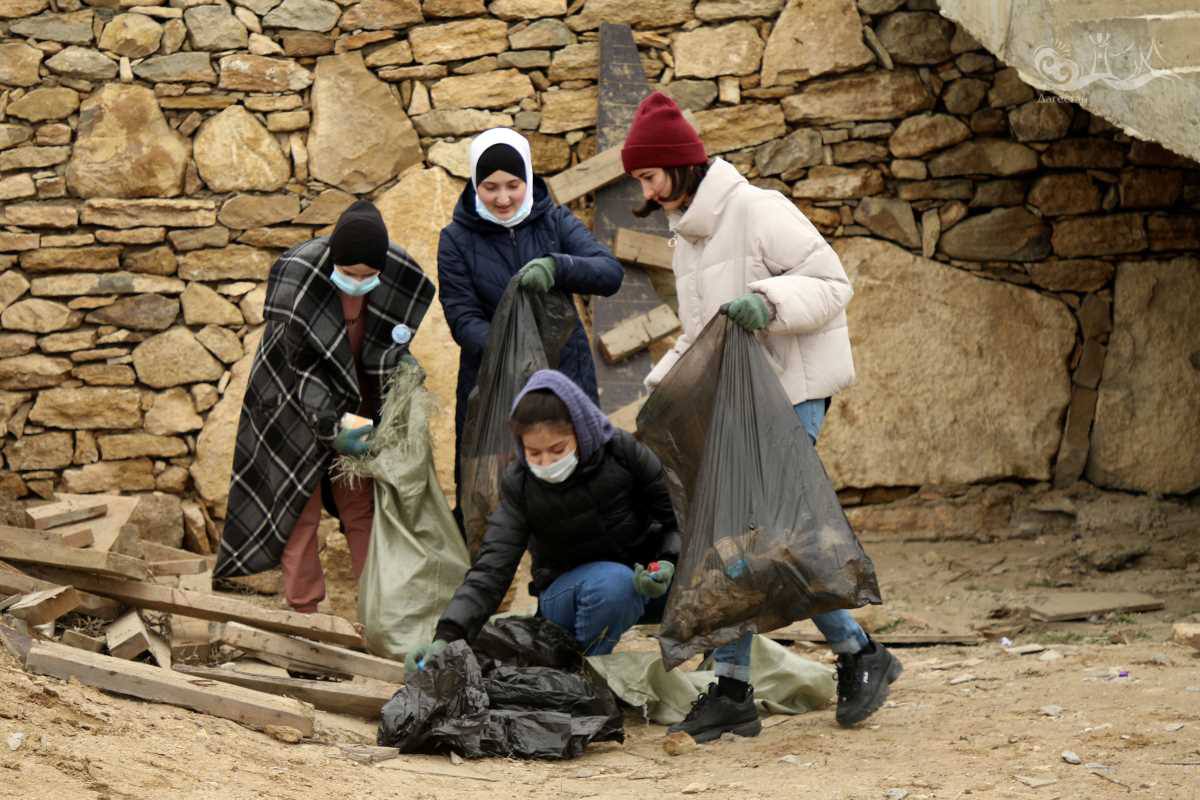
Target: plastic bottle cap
column 654, row 566
column 401, row 334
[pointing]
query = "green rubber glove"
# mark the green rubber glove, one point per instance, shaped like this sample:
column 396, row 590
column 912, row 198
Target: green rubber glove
column 538, row 275
column 353, row 441
column 653, row 582
column 416, row 660
column 750, row 311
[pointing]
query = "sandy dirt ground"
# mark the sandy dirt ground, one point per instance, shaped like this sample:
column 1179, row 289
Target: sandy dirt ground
column 962, row 722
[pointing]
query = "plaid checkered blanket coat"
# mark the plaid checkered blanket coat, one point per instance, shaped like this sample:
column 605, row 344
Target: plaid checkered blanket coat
column 302, row 381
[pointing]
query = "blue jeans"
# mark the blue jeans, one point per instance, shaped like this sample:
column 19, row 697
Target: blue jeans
column 838, row 627
column 595, row 602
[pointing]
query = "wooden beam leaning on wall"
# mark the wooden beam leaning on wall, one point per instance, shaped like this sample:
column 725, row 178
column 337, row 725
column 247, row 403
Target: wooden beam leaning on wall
column 644, row 249
column 157, row 685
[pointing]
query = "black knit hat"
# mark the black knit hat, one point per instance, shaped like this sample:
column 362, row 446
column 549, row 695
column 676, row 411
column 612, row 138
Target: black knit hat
column 499, row 156
column 360, row 237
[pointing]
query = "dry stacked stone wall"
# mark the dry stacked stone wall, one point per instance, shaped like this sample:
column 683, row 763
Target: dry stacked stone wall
column 1026, row 275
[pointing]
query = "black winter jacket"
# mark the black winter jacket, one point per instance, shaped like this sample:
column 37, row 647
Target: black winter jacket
column 615, row 507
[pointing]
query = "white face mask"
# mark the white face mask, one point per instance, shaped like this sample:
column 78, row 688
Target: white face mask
column 557, row 472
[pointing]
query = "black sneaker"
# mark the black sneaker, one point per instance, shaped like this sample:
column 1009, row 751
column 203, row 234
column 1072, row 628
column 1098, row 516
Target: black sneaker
column 714, row 714
column 864, row 679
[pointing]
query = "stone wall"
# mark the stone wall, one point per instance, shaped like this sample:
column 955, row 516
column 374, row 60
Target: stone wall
column 1021, row 267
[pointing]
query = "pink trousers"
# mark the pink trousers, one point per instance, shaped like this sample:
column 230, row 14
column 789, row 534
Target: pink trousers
column 303, row 578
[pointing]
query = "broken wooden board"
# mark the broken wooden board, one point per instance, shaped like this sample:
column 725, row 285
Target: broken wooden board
column 356, row 699
column 16, row 639
column 127, row 637
column 205, row 605
column 179, row 566
column 74, row 536
column 301, row 654
column 637, row 333
column 13, row 581
column 108, row 529
column 368, row 753
column 644, row 249
column 192, row 638
column 148, row 682
column 47, row 605
column 80, row 640
column 64, row 512
column 1063, row 606
column 16, row 546
column 153, row 551
column 587, row 176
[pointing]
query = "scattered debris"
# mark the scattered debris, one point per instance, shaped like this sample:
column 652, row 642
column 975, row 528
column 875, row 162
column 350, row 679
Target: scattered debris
column 1173, row 727
column 1186, row 633
column 796, row 761
column 368, row 753
column 583, row 773
column 1035, row 783
column 1107, row 558
column 455, row 759
column 284, row 733
column 1050, row 655
column 15, row 740
column 896, row 794
column 1063, row 606
column 1070, row 757
column 961, row 679
column 1026, row 649
column 676, row 744
column 1051, row 711
column 696, row 788
column 1102, row 776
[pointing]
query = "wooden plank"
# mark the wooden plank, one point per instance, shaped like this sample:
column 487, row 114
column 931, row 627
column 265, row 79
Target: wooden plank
column 637, row 333
column 127, row 637
column 74, row 536
column 14, row 546
column 192, row 638
column 644, row 249
column 300, row 654
column 181, row 566
column 794, row 633
column 356, row 699
column 205, row 605
column 80, row 640
column 1062, row 606
column 587, row 176
column 64, row 512
column 148, row 682
column 369, row 753
column 16, row 639
column 46, row 605
column 13, row 581
column 153, row 551
column 108, row 529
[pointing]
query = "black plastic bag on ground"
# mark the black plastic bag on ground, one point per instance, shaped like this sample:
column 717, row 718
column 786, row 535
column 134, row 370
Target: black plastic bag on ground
column 528, row 642
column 528, row 333
column 765, row 541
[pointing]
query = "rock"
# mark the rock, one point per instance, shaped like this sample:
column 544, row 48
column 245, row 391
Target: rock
column 41, row 451
column 174, row 34
column 115, row 447
column 546, row 33
column 838, row 183
column 455, row 41
column 148, row 312
column 458, row 122
column 1051, row 711
column 872, row 96
column 360, row 136
column 1065, row 193
column 284, row 733
column 453, row 157
column 125, row 148
column 646, row 14
column 172, row 413
column 157, row 517
column 1009, row 90
column 889, row 218
column 568, row 110
column 678, row 744
column 964, row 95
column 516, row 10
column 989, row 194
column 692, row 95
column 80, row 62
column 896, row 794
column 213, row 464
column 1186, row 634
column 695, row 788
column 931, row 232
column 282, row 238
column 72, row 259
column 1150, row 188
column 261, row 45
column 200, row 238
column 326, row 208
column 921, row 37
column 733, row 49
column 1071, row 275
column 235, row 262
column 33, row 371
column 287, row 121
column 719, row 10
column 923, row 134
column 486, row 90
column 136, row 475
column 11, row 135
column 814, row 38
column 243, row 72
column 19, row 64
column 203, row 306
column 1071, row 758
column 75, row 28
column 234, row 152
column 1151, row 367
column 150, row 261
column 33, row 158
column 12, row 286
column 803, row 148
column 1040, row 122
column 39, row 316
column 68, row 342
column 132, row 36
column 1174, row 233
column 306, row 15
column 1030, row 336
column 177, row 68
column 43, row 104
column 221, row 342
column 376, row 15
column 139, row 213
column 17, row 187
column 1111, row 234
column 1006, row 234
column 252, row 305
column 41, row 215
column 103, row 284
column 984, row 157
column 214, row 27
column 576, row 62
column 174, row 358
column 245, row 211
column 736, row 127
column 88, row 408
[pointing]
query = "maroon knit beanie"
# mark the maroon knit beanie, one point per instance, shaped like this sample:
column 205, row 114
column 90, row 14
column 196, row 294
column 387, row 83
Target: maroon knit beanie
column 661, row 137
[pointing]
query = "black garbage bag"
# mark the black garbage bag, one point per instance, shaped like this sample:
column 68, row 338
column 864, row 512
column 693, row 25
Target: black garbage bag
column 528, row 333
column 528, row 642
column 765, row 541
column 507, row 711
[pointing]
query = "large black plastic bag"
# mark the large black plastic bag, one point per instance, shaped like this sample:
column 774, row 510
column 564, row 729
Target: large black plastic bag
column 528, row 642
column 765, row 541
column 528, row 333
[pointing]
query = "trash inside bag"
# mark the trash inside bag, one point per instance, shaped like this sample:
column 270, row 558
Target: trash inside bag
column 417, row 557
column 502, row 710
column 528, row 332
column 765, row 541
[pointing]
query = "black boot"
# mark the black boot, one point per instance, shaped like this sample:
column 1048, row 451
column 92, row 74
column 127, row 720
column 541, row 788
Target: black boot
column 714, row 714
column 864, row 679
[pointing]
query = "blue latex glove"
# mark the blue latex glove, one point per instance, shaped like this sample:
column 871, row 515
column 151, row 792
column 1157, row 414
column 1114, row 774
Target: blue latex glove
column 353, row 441
column 750, row 311
column 538, row 275
column 653, row 582
column 415, row 661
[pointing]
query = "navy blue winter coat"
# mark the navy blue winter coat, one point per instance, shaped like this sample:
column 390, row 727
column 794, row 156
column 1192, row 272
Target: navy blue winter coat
column 476, row 261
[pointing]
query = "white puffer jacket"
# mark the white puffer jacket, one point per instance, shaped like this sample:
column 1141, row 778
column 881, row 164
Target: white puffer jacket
column 734, row 238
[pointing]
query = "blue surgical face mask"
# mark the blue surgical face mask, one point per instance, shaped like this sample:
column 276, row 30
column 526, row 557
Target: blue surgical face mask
column 557, row 472
column 354, row 287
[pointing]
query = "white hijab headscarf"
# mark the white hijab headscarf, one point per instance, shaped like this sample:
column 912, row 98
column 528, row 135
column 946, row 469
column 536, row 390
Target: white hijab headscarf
column 519, row 143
